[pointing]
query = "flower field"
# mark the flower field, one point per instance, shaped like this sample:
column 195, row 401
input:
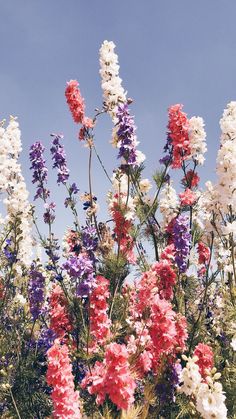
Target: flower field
column 129, row 315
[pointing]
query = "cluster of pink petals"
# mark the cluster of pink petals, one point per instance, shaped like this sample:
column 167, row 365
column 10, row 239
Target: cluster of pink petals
column 205, row 358
column 59, row 375
column 158, row 330
column 112, row 378
column 77, row 107
column 99, row 320
column 75, row 101
column 178, row 131
column 59, row 317
column 187, row 197
column 203, row 254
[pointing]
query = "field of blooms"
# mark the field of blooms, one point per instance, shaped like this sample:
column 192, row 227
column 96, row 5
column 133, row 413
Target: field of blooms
column 133, row 316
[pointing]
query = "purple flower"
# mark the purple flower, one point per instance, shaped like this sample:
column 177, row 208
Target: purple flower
column 59, row 158
column 40, row 172
column 36, row 292
column 170, row 380
column 168, row 148
column 81, row 269
column 89, row 238
column 127, row 140
column 49, row 215
column 181, row 239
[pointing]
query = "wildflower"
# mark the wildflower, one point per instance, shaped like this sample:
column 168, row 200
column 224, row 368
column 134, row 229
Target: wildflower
column 65, row 399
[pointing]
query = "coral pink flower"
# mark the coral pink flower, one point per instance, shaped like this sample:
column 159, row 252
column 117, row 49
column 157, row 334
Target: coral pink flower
column 59, row 375
column 59, row 317
column 203, row 253
column 205, row 358
column 75, row 101
column 187, row 197
column 166, row 278
column 178, row 132
column 112, row 377
column 99, row 320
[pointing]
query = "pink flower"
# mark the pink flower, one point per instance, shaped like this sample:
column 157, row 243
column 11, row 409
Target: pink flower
column 75, row 101
column 112, row 377
column 166, row 278
column 205, row 358
column 187, row 197
column 178, row 132
column 99, row 320
column 59, row 375
column 59, row 317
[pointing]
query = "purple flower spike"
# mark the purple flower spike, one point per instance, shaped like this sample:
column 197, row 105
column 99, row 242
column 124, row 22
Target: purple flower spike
column 182, row 238
column 59, row 158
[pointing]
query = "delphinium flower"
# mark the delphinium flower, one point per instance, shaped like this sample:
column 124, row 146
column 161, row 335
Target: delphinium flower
column 168, row 203
column 187, row 198
column 205, row 359
column 203, row 253
column 197, row 139
column 36, row 291
column 112, row 377
column 125, row 139
column 191, row 179
column 166, row 278
column 66, row 401
column 226, row 159
column 81, row 271
column 166, row 388
column 12, row 183
column 181, row 239
column 113, row 91
column 60, row 322
column 178, row 127
column 40, row 171
column 190, row 377
column 90, row 204
column 99, row 320
column 59, row 159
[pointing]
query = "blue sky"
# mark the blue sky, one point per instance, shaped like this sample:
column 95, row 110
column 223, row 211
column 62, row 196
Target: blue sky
column 169, row 51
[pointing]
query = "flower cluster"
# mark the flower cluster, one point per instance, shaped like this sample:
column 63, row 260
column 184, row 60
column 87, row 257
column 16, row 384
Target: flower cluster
column 100, row 322
column 178, row 131
column 36, row 291
column 59, row 159
column 125, row 139
column 113, row 91
column 112, row 377
column 65, row 399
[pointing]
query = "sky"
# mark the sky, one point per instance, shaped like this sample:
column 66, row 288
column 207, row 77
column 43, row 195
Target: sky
column 169, row 52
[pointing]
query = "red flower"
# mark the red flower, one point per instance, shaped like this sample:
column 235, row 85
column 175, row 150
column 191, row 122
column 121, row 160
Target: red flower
column 75, row 101
column 191, row 179
column 203, row 254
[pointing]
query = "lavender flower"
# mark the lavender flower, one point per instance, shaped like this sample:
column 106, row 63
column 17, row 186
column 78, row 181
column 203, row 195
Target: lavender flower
column 89, row 238
column 36, row 292
column 81, row 268
column 40, row 172
column 126, row 137
column 59, row 158
column 181, row 238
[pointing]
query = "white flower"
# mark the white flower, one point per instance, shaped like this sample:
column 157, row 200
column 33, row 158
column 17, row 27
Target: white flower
column 168, row 203
column 197, row 139
column 210, row 401
column 113, row 91
column 233, row 343
column 145, row 185
column 190, row 378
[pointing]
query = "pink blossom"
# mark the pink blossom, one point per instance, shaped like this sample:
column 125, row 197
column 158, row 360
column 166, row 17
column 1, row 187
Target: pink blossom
column 187, row 197
column 59, row 375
